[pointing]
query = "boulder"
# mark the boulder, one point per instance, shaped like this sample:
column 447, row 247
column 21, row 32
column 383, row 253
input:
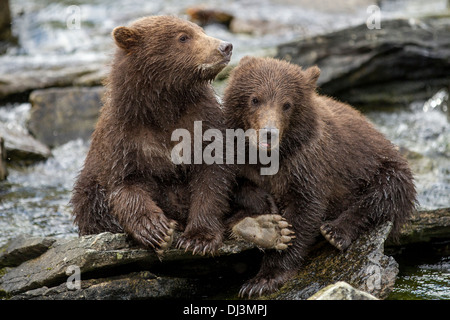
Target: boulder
column 59, row 115
column 341, row 291
column 111, row 266
column 425, row 226
column 403, row 61
column 133, row 286
column 363, row 265
column 16, row 86
column 21, row 147
column 104, row 257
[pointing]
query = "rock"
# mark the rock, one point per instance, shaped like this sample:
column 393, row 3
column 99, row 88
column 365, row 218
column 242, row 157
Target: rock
column 204, row 16
column 111, row 257
column 3, row 170
column 363, row 265
column 23, row 248
column 88, row 253
column 404, row 61
column 22, row 148
column 133, row 286
column 110, row 266
column 92, row 79
column 256, row 27
column 5, row 20
column 341, row 291
column 426, row 226
column 59, row 115
column 107, row 262
column 16, row 86
column 5, row 25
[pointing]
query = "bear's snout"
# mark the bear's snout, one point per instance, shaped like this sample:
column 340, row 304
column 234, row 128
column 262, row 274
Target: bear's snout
column 225, row 49
column 269, row 137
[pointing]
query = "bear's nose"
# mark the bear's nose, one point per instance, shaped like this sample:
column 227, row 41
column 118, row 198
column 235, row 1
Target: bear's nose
column 271, row 133
column 225, row 48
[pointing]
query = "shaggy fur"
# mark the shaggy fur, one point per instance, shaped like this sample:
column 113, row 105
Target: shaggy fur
column 337, row 174
column 159, row 82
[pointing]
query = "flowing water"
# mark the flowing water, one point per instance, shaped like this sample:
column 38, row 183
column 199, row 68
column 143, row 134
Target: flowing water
column 35, row 199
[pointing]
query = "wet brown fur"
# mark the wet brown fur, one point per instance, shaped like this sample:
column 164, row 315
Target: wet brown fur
column 129, row 183
column 336, row 170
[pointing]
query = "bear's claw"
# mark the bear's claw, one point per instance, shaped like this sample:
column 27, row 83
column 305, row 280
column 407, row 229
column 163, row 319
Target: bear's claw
column 265, row 283
column 167, row 240
column 268, row 231
column 334, row 236
column 199, row 245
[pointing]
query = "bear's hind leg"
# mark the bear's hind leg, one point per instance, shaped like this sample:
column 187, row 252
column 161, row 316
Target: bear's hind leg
column 390, row 196
column 91, row 210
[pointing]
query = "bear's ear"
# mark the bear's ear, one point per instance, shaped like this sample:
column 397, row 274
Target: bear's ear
column 125, row 37
column 312, row 75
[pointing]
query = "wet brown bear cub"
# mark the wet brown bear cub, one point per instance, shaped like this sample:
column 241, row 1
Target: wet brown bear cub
column 159, row 81
column 337, row 174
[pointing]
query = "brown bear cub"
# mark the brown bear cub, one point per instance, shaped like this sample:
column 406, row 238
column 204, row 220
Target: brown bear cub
column 337, row 174
column 159, row 81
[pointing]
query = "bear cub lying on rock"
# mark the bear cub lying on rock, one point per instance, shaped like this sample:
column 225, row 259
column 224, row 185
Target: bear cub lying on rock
column 337, row 174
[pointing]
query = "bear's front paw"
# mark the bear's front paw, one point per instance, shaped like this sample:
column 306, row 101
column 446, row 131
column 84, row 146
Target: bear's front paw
column 155, row 231
column 269, row 231
column 335, row 236
column 199, row 242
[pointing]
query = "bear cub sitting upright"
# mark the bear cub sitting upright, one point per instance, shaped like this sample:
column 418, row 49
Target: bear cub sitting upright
column 337, row 174
column 159, row 82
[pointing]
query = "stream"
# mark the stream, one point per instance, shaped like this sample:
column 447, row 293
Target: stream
column 35, row 199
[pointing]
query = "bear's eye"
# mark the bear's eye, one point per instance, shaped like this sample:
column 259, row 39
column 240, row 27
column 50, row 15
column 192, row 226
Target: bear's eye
column 255, row 101
column 286, row 106
column 183, row 38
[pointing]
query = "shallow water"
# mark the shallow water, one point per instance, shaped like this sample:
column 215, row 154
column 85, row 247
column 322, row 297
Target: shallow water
column 424, row 130
column 424, row 272
column 34, row 200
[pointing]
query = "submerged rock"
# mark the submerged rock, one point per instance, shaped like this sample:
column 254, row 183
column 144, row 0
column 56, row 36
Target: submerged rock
column 403, row 61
